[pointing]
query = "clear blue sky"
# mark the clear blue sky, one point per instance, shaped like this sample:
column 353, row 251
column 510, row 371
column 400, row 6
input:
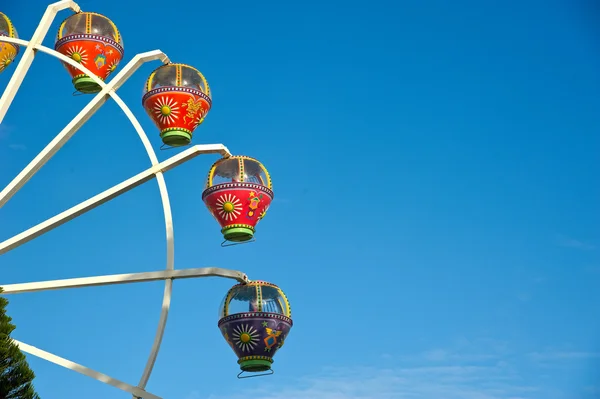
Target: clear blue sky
column 435, row 226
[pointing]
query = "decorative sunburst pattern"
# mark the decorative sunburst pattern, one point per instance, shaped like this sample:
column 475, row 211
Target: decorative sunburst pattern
column 263, row 213
column 229, row 207
column 112, row 66
column 6, row 59
column 166, row 110
column 245, row 337
column 78, row 54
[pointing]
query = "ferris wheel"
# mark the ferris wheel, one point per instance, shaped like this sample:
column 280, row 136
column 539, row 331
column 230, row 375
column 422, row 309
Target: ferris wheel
column 255, row 316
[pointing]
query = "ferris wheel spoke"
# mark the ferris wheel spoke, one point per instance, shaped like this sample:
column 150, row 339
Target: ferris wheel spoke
column 128, row 278
column 53, row 147
column 110, row 194
column 76, row 123
column 166, row 96
column 170, row 264
column 29, row 53
column 60, row 361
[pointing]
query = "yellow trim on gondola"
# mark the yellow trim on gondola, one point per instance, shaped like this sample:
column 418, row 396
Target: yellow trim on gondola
column 11, row 27
column 240, row 158
column 60, row 30
column 88, row 25
column 285, row 307
column 241, row 168
column 259, row 301
column 60, row 34
column 269, row 182
column 178, row 73
column 227, row 301
column 204, row 81
column 282, row 306
column 288, row 310
column 149, row 81
column 211, row 173
column 118, row 38
column 179, row 67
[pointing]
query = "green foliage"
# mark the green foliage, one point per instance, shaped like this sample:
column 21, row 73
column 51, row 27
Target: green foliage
column 15, row 375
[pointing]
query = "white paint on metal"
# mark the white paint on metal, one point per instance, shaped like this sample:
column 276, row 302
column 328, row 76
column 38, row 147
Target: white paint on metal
column 109, row 194
column 157, row 170
column 113, row 279
column 29, row 53
column 136, row 391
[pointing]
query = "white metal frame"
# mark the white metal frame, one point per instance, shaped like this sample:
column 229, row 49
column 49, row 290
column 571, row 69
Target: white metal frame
column 156, row 170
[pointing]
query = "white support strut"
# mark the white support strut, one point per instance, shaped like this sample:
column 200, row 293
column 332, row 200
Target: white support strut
column 160, row 180
column 112, row 279
column 76, row 123
column 135, row 391
column 162, row 322
column 29, row 53
column 109, row 194
column 52, row 148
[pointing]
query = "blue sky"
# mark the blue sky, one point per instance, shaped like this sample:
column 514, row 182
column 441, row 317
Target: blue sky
column 435, row 222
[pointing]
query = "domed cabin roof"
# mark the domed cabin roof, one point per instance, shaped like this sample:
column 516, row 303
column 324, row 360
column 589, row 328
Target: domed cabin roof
column 238, row 169
column 255, row 296
column 90, row 23
column 6, row 27
column 178, row 75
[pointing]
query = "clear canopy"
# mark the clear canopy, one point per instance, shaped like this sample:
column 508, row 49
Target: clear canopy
column 6, row 27
column 178, row 75
column 239, row 169
column 243, row 298
column 100, row 25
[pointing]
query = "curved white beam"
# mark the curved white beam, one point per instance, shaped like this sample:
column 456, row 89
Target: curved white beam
column 113, row 279
column 108, row 195
column 166, row 304
column 84, row 115
column 69, row 131
column 28, row 55
column 166, row 204
column 136, row 391
column 162, row 322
